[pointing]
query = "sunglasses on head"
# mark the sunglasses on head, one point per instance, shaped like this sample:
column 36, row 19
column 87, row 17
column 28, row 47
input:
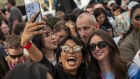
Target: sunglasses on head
column 137, row 18
column 76, row 48
column 101, row 44
column 16, row 56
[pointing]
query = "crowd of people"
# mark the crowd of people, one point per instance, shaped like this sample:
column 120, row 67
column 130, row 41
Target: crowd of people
column 96, row 41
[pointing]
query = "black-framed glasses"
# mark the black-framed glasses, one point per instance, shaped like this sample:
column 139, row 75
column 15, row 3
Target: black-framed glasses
column 16, row 56
column 75, row 48
column 101, row 44
column 137, row 18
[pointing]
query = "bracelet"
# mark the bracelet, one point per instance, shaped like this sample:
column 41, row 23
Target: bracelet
column 28, row 45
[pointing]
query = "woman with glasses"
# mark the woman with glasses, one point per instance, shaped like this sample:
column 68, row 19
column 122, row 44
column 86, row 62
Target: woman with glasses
column 47, row 43
column 130, row 42
column 70, row 53
column 105, row 60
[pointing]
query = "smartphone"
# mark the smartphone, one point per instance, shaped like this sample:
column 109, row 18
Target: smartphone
column 32, row 8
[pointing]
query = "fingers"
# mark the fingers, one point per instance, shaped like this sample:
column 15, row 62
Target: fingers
column 35, row 28
column 35, row 24
column 70, row 24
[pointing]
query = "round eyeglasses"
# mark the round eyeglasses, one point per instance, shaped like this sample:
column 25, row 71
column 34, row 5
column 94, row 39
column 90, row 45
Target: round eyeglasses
column 75, row 48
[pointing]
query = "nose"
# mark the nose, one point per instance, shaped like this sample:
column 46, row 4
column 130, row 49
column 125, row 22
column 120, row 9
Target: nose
column 82, row 33
column 97, row 48
column 71, row 51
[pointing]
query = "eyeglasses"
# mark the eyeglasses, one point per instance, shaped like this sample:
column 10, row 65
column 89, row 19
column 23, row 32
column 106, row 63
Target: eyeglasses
column 16, row 56
column 101, row 44
column 76, row 48
column 51, row 35
column 137, row 18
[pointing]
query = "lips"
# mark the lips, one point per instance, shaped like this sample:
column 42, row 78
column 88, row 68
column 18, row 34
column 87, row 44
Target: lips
column 98, row 53
column 54, row 42
column 71, row 60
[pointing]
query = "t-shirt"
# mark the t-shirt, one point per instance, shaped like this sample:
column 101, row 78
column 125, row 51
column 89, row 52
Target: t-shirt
column 109, row 75
column 15, row 14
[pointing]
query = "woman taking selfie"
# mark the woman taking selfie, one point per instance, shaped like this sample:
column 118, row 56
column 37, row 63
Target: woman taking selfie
column 70, row 53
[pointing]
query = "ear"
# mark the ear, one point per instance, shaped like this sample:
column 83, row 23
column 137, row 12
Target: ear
column 97, row 25
column 6, row 51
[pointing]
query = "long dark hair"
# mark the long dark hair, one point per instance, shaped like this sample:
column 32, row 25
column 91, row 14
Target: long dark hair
column 131, row 25
column 107, row 24
column 98, row 12
column 118, row 66
column 28, row 70
column 81, row 69
column 37, row 40
column 3, row 66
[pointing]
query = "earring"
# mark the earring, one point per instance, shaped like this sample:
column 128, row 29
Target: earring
column 60, row 60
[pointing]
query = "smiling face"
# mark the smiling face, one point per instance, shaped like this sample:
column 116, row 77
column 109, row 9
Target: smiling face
column 71, row 56
column 101, row 51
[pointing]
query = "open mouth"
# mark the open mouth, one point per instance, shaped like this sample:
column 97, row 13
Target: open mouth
column 71, row 60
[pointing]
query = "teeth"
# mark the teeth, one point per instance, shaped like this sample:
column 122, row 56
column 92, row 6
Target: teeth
column 72, row 58
column 98, row 53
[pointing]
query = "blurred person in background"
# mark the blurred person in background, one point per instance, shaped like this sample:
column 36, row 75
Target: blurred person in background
column 103, row 21
column 129, row 44
column 14, row 17
column 123, row 20
column 5, row 29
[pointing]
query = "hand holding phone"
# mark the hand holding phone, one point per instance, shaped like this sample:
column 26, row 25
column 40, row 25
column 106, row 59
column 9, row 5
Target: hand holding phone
column 31, row 9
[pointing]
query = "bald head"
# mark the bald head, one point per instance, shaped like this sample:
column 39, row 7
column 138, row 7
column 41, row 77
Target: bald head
column 88, row 17
column 86, row 25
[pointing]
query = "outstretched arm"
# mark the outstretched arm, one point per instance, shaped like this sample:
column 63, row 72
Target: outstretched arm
column 29, row 32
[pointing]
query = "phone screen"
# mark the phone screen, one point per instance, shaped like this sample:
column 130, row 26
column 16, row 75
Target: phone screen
column 32, row 8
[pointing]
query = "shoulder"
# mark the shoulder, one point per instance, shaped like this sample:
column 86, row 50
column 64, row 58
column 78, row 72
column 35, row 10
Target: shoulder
column 15, row 10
